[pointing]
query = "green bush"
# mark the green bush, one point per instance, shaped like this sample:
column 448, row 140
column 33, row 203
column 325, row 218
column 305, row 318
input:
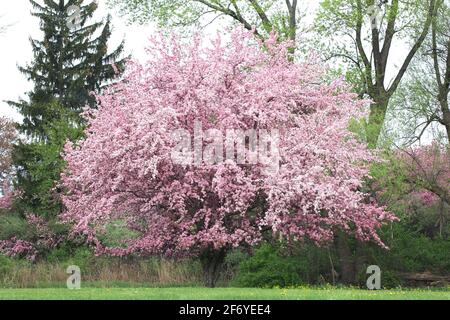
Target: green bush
column 409, row 252
column 268, row 268
column 66, row 255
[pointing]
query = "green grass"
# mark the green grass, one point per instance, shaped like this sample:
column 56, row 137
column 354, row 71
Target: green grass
column 220, row 294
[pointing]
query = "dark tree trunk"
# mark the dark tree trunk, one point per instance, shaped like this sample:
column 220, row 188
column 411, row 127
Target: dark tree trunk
column 360, row 259
column 212, row 263
column 345, row 259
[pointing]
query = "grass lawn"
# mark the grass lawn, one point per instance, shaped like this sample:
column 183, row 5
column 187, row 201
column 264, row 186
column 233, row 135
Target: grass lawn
column 220, row 294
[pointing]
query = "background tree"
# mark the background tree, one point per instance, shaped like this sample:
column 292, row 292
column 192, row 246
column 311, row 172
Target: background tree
column 367, row 31
column 429, row 170
column 70, row 63
column 420, row 109
column 418, row 177
column 41, row 164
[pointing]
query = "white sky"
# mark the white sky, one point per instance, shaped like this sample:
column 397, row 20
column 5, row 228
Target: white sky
column 16, row 49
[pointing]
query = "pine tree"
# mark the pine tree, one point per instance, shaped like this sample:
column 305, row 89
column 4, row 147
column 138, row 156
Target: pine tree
column 70, row 62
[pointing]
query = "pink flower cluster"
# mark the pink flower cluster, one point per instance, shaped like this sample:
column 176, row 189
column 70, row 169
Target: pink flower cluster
column 428, row 167
column 122, row 173
column 18, row 248
column 43, row 235
column 426, row 197
column 41, row 238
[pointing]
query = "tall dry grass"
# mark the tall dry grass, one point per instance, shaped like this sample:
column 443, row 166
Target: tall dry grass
column 153, row 272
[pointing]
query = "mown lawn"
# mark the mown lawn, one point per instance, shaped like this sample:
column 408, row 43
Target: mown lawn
column 220, row 294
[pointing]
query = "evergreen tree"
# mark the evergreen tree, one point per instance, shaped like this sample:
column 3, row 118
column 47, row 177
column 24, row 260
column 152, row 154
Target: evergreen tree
column 70, row 62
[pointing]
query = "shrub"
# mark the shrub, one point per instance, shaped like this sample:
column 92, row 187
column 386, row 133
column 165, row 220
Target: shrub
column 410, row 252
column 268, row 268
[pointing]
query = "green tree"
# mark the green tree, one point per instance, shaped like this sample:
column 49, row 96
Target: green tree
column 367, row 31
column 70, row 63
column 39, row 164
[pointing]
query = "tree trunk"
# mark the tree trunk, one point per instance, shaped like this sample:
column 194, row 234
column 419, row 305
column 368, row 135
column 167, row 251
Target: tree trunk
column 376, row 120
column 345, row 259
column 360, row 259
column 212, row 262
column 446, row 120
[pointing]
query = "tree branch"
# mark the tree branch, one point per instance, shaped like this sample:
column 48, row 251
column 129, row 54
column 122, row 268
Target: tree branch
column 234, row 14
column 264, row 18
column 360, row 47
column 390, row 32
column 415, row 48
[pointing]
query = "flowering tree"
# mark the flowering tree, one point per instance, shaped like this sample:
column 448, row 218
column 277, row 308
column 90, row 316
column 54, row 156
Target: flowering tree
column 428, row 174
column 428, row 168
column 7, row 198
column 124, row 173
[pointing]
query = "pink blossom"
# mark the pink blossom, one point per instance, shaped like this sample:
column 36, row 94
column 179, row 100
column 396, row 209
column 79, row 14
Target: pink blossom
column 428, row 169
column 44, row 237
column 18, row 248
column 123, row 172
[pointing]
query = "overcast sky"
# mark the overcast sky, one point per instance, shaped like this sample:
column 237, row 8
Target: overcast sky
column 16, row 49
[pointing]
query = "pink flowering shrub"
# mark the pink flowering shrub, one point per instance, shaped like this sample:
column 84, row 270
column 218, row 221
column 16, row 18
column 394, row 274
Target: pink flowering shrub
column 39, row 237
column 426, row 197
column 17, row 248
column 123, row 173
column 428, row 170
column 44, row 238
